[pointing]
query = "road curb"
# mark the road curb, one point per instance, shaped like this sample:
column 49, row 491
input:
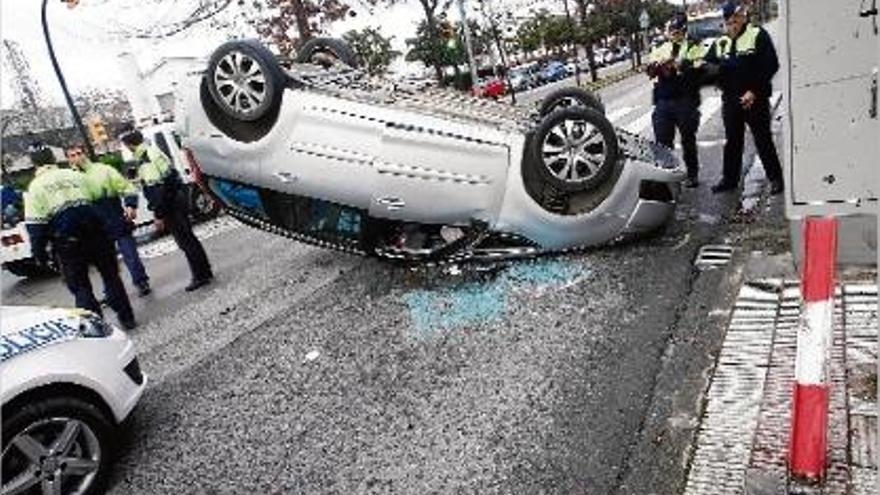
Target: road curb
column 612, row 79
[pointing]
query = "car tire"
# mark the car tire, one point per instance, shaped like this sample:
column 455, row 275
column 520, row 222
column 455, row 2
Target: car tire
column 202, row 206
column 28, row 268
column 245, row 80
column 326, row 52
column 567, row 97
column 44, row 420
column 574, row 149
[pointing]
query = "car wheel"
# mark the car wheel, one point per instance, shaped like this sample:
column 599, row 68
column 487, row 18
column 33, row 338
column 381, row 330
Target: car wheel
column 568, row 97
column 57, row 445
column 574, row 149
column 28, row 268
column 326, row 52
column 245, row 80
column 202, row 206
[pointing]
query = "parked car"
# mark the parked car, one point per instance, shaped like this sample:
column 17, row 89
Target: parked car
column 414, row 82
column 70, row 379
column 602, row 57
column 164, row 136
column 15, row 243
column 16, row 254
column 706, row 27
column 328, row 156
column 553, row 71
column 524, row 77
column 491, row 88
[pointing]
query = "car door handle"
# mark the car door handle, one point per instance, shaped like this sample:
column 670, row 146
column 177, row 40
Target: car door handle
column 286, row 177
column 391, row 202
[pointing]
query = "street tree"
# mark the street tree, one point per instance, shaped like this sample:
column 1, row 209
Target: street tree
column 430, row 37
column 287, row 23
column 436, row 49
column 373, row 49
column 529, row 36
column 593, row 26
column 558, row 32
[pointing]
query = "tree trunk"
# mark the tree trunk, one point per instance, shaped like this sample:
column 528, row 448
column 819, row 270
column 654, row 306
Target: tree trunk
column 302, row 20
column 432, row 31
column 588, row 45
column 591, row 58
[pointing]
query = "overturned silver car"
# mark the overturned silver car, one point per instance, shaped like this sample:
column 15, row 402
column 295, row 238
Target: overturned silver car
column 318, row 151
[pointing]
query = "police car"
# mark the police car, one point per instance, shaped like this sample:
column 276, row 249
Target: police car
column 69, row 380
column 15, row 245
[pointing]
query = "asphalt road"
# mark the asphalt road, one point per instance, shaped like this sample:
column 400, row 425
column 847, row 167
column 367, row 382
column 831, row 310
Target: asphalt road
column 306, row 371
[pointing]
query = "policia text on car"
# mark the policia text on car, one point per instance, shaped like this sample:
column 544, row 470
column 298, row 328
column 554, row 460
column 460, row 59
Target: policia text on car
column 59, row 209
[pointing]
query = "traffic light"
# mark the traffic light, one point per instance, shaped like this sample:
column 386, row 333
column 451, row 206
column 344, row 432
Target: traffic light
column 97, row 130
column 447, row 32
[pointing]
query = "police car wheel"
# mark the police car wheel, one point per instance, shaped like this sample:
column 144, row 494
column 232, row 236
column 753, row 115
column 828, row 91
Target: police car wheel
column 28, row 268
column 574, row 149
column 59, row 442
column 569, row 97
column 326, row 52
column 245, row 80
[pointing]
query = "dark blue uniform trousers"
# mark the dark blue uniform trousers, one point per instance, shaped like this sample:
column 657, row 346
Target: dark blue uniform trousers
column 682, row 114
column 119, row 230
column 84, row 244
column 758, row 119
column 179, row 225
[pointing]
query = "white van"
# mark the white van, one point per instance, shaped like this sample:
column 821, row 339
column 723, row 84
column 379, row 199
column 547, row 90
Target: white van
column 165, row 137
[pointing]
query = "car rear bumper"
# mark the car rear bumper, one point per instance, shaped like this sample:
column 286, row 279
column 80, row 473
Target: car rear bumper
column 648, row 216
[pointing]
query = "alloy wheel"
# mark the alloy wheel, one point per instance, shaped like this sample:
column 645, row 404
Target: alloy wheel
column 240, row 83
column 53, row 456
column 573, row 151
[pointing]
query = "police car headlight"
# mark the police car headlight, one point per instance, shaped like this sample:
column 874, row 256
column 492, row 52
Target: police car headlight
column 94, row 326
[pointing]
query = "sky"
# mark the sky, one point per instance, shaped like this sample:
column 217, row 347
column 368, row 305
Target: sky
column 88, row 56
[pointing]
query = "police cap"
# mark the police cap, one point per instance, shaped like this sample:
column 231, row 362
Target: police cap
column 678, row 22
column 730, row 8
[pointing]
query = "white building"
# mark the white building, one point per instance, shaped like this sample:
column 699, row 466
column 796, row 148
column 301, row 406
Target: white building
column 151, row 90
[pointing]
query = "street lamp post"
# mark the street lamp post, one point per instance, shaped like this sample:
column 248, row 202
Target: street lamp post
column 76, row 118
column 468, row 46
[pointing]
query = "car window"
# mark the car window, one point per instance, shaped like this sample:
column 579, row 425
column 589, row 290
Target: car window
column 707, row 27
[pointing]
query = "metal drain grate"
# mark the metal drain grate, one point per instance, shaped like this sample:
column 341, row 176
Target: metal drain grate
column 713, row 255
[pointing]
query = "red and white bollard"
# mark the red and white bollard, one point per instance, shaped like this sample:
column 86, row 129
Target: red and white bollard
column 809, row 425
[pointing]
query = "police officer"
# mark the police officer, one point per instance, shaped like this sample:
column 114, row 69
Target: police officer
column 745, row 61
column 107, row 186
column 167, row 200
column 675, row 67
column 58, row 210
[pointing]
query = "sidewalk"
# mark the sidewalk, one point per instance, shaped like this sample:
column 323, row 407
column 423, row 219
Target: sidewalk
column 742, row 442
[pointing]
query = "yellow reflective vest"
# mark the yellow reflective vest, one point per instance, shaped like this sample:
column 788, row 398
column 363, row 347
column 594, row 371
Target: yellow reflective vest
column 153, row 166
column 746, row 43
column 692, row 51
column 52, row 191
column 104, row 181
